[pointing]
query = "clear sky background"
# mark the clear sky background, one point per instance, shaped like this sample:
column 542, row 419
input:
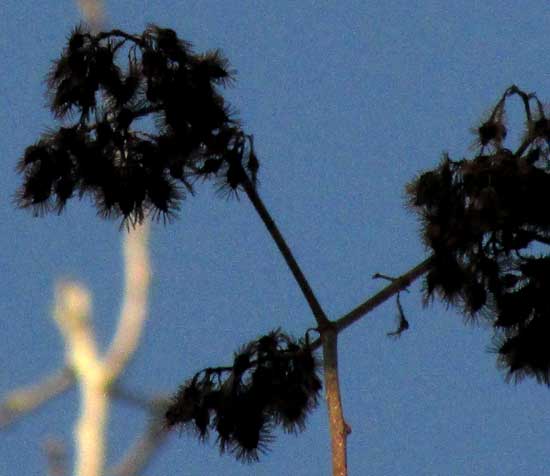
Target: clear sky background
column 347, row 101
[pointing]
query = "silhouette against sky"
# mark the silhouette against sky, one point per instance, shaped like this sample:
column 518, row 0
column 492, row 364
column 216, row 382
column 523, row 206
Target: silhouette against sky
column 347, row 102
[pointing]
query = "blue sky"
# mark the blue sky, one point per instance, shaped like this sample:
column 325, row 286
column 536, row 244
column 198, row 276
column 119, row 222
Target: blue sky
column 347, row 101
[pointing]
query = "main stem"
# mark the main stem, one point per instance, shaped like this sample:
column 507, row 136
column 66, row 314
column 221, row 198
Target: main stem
column 329, row 335
column 339, row 429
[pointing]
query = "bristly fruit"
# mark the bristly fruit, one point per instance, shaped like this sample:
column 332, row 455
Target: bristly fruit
column 132, row 173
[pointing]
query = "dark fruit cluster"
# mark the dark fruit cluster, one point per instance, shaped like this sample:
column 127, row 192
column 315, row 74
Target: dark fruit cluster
column 487, row 222
column 273, row 381
column 131, row 173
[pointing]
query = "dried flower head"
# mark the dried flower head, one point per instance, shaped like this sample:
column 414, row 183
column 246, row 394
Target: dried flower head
column 128, row 172
column 482, row 217
column 273, row 381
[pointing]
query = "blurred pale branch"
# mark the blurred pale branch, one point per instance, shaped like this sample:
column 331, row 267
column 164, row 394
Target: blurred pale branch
column 56, row 456
column 72, row 314
column 26, row 399
column 92, row 12
column 118, row 392
column 140, row 454
column 94, row 373
column 91, row 428
column 134, row 307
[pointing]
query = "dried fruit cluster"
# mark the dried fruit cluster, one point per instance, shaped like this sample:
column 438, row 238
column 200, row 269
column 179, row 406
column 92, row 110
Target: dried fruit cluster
column 488, row 224
column 129, row 172
column 273, row 381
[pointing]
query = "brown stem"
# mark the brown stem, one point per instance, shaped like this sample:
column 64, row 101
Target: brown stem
column 398, row 284
column 339, row 429
column 319, row 314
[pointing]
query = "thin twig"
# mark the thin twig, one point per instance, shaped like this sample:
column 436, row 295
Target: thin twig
column 116, row 32
column 329, row 336
column 391, row 289
column 318, row 313
column 524, row 146
column 397, row 285
column 402, row 323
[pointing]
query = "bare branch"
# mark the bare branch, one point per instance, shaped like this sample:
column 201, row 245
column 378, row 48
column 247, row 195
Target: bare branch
column 142, row 451
column 133, row 398
column 319, row 314
column 24, row 400
column 93, row 13
column 134, row 308
column 396, row 285
column 72, row 315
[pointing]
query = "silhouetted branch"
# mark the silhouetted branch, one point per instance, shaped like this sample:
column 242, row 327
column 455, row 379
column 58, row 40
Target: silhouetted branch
column 402, row 323
column 329, row 336
column 291, row 262
column 121, row 34
column 399, row 284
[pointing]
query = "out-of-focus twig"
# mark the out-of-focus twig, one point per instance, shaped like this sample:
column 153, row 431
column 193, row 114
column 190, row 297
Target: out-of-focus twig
column 92, row 12
column 26, row 399
column 131, row 397
column 95, row 373
column 72, row 315
column 56, row 456
column 134, row 308
column 140, row 454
